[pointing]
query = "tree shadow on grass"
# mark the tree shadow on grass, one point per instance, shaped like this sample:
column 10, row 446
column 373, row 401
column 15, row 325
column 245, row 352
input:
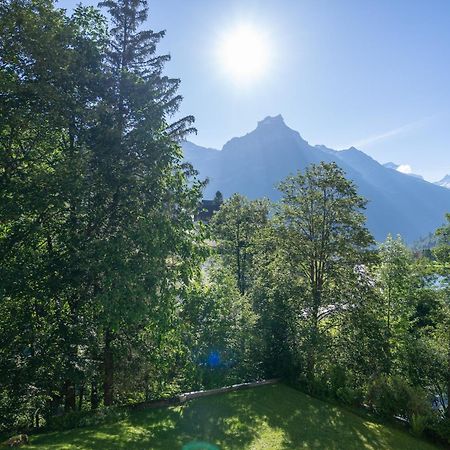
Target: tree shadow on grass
column 269, row 417
column 223, row 420
column 310, row 423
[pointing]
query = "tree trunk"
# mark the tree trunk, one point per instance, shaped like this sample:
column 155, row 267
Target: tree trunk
column 311, row 357
column 94, row 395
column 238, row 268
column 314, row 334
column 108, row 370
column 69, row 396
column 448, row 375
column 81, row 398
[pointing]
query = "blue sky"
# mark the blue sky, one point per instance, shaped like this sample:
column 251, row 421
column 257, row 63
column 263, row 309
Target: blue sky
column 373, row 74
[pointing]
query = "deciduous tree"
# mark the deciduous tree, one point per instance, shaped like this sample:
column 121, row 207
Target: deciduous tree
column 326, row 246
column 235, row 227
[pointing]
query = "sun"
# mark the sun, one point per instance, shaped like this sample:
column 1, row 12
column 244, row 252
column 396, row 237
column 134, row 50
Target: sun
column 244, row 53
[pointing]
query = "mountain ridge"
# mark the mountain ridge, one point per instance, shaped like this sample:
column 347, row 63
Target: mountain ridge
column 254, row 163
column 397, row 167
column 445, row 182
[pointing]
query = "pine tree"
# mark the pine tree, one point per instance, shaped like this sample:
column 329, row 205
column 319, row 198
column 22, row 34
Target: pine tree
column 218, row 199
column 139, row 199
column 136, row 72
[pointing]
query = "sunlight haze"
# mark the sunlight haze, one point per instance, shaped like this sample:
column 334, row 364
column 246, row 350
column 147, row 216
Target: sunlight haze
column 368, row 74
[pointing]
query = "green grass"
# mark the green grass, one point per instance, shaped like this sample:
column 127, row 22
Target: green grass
column 269, row 417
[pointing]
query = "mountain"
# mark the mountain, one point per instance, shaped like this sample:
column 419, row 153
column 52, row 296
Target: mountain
column 445, row 182
column 391, row 165
column 255, row 163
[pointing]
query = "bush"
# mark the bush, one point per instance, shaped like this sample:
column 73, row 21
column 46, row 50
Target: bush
column 78, row 419
column 418, row 424
column 440, row 427
column 350, row 396
column 343, row 388
column 394, row 397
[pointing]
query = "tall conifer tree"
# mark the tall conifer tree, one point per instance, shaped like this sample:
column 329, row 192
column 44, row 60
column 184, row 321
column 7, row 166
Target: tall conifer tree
column 139, row 194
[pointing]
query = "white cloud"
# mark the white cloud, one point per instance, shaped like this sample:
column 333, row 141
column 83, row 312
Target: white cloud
column 404, row 168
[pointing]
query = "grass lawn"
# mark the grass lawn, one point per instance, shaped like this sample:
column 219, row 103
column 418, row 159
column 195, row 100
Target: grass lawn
column 269, row 417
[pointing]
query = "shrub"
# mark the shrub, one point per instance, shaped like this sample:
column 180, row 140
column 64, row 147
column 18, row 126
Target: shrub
column 341, row 386
column 350, row 396
column 394, row 397
column 418, row 424
column 380, row 398
column 78, row 419
column 440, row 427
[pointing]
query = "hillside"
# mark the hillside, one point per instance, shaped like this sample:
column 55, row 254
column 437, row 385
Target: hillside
column 268, row 417
column 253, row 164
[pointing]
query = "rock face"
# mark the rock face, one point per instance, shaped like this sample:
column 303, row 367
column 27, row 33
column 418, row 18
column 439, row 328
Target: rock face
column 255, row 163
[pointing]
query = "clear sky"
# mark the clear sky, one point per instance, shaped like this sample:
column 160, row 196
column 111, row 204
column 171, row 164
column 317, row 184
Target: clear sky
column 373, row 74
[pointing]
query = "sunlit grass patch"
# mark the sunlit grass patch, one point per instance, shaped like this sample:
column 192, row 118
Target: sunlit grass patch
column 268, row 417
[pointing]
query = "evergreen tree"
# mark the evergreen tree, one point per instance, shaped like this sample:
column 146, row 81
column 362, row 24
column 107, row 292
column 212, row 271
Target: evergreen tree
column 139, row 198
column 96, row 237
column 46, row 106
column 218, row 198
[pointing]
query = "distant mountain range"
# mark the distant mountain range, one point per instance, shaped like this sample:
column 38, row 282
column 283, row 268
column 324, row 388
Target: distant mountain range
column 398, row 167
column 255, row 163
column 445, row 182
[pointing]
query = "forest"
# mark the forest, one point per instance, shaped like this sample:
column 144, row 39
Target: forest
column 112, row 292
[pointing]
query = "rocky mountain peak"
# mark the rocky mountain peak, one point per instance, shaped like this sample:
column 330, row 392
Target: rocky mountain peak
column 272, row 122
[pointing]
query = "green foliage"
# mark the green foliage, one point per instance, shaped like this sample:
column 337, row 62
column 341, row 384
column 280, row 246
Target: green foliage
column 324, row 245
column 97, row 238
column 350, row 396
column 442, row 250
column 395, row 284
column 79, row 419
column 235, row 227
column 394, row 280
column 105, row 295
column 440, row 427
column 442, row 253
column 218, row 198
column 394, row 397
column 418, row 424
column 44, row 100
column 220, row 326
column 274, row 296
